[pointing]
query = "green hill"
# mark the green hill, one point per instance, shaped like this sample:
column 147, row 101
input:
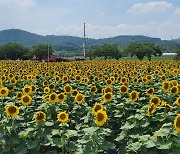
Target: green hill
column 72, row 42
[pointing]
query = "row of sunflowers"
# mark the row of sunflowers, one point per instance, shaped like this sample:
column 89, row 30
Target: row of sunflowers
column 90, row 107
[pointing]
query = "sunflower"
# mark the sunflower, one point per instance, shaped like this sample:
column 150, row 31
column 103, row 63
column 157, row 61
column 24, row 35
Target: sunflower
column 26, row 100
column 109, row 81
column 57, row 78
column 45, row 83
column 68, row 89
column 46, row 90
column 78, row 78
column 62, row 117
column 93, row 89
column 19, row 95
column 135, row 80
column 40, row 116
column 61, row 97
column 177, row 123
column 27, row 90
column 155, row 100
column 149, row 78
column 166, row 86
column 156, row 72
column 101, row 118
column 174, row 82
column 79, row 98
column 12, row 111
column 46, row 98
column 51, row 86
column 134, row 95
column 107, row 97
column 3, row 78
column 53, row 97
column 163, row 77
column 150, row 91
column 174, row 90
column 13, row 81
column 96, row 79
column 4, row 91
column 123, row 89
column 178, row 101
column 33, row 88
column 151, row 109
column 108, row 89
column 65, row 78
column 75, row 92
column 85, row 80
column 97, row 107
column 144, row 79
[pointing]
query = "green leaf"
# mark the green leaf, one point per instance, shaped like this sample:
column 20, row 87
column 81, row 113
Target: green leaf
column 128, row 126
column 56, row 132
column 150, row 144
column 71, row 133
column 134, row 146
column 49, row 123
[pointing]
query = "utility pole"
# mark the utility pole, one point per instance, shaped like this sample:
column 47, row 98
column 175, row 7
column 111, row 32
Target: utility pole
column 84, row 42
column 48, row 52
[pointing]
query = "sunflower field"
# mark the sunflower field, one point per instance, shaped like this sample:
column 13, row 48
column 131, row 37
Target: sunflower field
column 89, row 107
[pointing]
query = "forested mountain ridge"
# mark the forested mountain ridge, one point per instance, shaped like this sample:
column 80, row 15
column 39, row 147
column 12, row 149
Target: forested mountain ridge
column 60, row 42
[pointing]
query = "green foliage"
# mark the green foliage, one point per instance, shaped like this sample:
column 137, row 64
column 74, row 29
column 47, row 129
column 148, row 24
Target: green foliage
column 140, row 50
column 177, row 51
column 41, row 51
column 12, row 51
column 106, row 50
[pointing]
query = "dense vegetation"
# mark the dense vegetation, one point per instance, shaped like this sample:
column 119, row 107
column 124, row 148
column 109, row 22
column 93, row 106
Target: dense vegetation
column 90, row 107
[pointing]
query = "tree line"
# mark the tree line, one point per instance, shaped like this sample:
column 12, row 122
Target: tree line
column 15, row 51
column 108, row 51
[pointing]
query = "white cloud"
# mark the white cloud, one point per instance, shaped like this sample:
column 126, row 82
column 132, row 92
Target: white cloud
column 162, row 30
column 143, row 8
column 22, row 3
column 176, row 11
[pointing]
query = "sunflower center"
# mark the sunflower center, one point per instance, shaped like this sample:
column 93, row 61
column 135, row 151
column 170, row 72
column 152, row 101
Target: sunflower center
column 26, row 99
column 53, row 97
column 150, row 91
column 100, row 116
column 97, row 108
column 166, row 86
column 40, row 116
column 61, row 96
column 93, row 89
column 33, row 88
column 19, row 95
column 12, row 110
column 123, row 89
column 62, row 116
column 51, row 86
column 26, row 90
column 178, row 122
column 3, row 91
column 155, row 100
column 79, row 98
column 108, row 96
column 174, row 90
column 67, row 88
column 109, row 81
column 133, row 95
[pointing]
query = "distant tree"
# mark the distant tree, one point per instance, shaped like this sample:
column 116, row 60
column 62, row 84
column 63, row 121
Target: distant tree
column 177, row 51
column 106, row 50
column 140, row 50
column 41, row 51
column 13, row 51
column 152, row 49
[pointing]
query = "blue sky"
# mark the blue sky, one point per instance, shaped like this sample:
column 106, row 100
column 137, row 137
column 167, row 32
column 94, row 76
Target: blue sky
column 103, row 18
